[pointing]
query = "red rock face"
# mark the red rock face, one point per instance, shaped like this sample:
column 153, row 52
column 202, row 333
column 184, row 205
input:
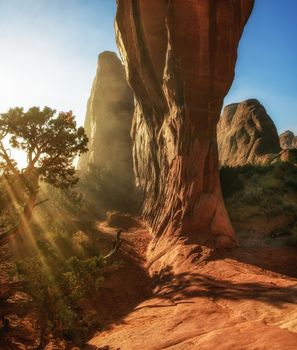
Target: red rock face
column 180, row 57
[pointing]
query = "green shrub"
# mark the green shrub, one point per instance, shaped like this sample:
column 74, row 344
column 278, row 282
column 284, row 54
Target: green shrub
column 265, row 190
column 292, row 155
column 84, row 277
column 249, row 170
column 290, row 178
column 57, row 284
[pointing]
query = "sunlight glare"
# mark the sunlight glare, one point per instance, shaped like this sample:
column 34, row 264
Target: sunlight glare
column 18, row 155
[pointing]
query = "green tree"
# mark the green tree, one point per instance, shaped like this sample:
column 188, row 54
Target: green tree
column 51, row 142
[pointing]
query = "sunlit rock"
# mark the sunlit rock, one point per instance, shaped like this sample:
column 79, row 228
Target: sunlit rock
column 246, row 134
column 180, row 58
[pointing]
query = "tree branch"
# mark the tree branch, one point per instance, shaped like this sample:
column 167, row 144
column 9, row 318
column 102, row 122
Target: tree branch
column 33, row 162
column 41, row 202
column 8, row 160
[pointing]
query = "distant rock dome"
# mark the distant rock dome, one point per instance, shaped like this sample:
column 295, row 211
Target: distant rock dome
column 246, row 134
column 288, row 140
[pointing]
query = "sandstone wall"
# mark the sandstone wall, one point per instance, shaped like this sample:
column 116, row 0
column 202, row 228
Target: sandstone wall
column 180, row 58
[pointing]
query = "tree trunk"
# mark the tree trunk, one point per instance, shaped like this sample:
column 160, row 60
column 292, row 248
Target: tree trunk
column 22, row 227
column 27, row 213
column 180, row 58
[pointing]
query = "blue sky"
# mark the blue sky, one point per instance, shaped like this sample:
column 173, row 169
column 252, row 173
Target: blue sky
column 49, row 52
column 267, row 62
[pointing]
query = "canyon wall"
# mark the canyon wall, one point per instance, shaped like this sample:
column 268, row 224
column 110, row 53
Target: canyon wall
column 246, row 134
column 107, row 124
column 180, row 58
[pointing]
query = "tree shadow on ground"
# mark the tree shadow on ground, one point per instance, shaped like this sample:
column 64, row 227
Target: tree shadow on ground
column 125, row 287
column 186, row 286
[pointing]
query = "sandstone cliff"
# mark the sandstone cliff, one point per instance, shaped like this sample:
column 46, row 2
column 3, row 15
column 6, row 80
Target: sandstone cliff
column 108, row 122
column 180, row 57
column 246, row 134
column 288, row 140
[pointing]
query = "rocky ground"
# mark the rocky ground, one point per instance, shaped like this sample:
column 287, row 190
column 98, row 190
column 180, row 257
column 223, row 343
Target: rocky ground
column 16, row 307
column 241, row 299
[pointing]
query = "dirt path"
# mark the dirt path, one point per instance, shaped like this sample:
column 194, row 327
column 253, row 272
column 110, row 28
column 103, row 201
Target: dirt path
column 131, row 284
column 234, row 300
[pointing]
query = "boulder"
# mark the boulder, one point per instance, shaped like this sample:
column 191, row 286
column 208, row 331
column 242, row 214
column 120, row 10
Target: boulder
column 288, row 140
column 246, row 134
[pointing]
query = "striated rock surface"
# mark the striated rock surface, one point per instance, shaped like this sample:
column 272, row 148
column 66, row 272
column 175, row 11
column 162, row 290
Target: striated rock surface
column 180, row 57
column 108, row 122
column 288, row 140
column 246, row 134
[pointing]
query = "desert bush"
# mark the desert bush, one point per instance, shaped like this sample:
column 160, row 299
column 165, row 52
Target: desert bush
column 84, row 277
column 266, row 190
column 249, row 170
column 251, row 196
column 292, row 155
column 57, row 284
column 290, row 179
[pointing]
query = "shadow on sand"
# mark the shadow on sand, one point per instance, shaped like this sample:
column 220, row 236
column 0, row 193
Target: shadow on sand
column 187, row 286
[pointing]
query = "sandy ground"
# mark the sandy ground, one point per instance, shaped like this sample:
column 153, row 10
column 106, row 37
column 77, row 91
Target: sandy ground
column 241, row 299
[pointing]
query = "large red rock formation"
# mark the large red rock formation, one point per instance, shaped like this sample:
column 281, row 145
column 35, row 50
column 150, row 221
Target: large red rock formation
column 246, row 134
column 180, row 57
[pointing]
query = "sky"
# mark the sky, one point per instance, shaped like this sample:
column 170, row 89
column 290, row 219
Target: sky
column 267, row 61
column 49, row 49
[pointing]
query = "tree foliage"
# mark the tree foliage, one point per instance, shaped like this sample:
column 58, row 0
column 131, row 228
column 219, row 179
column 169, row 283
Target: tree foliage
column 51, row 143
column 56, row 286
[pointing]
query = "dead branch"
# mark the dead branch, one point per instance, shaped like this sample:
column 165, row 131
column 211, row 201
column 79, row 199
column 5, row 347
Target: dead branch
column 115, row 247
column 41, row 202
